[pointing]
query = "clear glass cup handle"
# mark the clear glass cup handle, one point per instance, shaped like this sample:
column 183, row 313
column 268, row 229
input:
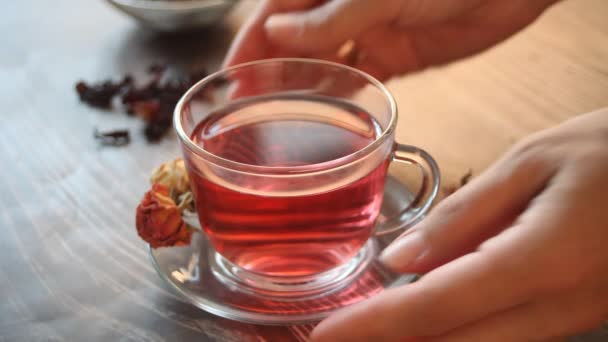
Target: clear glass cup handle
column 423, row 200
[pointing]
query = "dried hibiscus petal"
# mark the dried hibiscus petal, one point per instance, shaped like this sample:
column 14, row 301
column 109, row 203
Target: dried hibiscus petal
column 145, row 109
column 100, row 95
column 159, row 221
column 153, row 101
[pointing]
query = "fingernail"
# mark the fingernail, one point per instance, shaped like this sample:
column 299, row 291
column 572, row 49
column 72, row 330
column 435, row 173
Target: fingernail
column 281, row 26
column 403, row 252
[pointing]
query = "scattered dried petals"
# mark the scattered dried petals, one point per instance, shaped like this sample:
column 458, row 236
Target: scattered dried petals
column 120, row 137
column 153, row 102
column 145, row 109
column 100, row 95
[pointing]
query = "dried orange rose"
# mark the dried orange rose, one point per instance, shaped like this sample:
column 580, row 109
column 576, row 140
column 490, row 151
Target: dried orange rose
column 172, row 175
column 159, row 221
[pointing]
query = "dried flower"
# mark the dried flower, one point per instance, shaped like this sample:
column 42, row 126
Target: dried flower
column 172, row 175
column 145, row 109
column 159, row 221
column 185, row 201
column 100, row 95
column 159, row 215
column 153, row 101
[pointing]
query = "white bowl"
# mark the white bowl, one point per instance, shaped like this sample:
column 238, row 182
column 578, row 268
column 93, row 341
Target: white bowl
column 175, row 15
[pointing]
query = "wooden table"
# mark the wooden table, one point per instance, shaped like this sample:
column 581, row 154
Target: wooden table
column 71, row 265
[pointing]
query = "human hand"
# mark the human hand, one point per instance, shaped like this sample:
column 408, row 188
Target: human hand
column 391, row 37
column 518, row 254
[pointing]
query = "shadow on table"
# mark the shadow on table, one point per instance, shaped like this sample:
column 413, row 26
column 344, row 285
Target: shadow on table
column 192, row 319
column 201, row 48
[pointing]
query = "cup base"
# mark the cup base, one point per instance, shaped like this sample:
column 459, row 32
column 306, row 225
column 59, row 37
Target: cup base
column 207, row 280
column 293, row 288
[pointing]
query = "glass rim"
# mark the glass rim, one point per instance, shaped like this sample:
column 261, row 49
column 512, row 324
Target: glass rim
column 260, row 169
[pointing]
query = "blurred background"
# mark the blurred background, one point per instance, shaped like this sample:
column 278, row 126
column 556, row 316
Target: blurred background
column 71, row 265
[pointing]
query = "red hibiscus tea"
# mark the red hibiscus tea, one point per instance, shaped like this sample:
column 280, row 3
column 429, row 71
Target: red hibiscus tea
column 287, row 161
column 288, row 234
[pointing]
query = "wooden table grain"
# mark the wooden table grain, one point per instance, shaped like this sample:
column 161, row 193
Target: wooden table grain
column 71, row 265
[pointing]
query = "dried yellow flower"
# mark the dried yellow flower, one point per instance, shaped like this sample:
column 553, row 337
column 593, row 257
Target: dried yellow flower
column 173, row 175
column 185, row 201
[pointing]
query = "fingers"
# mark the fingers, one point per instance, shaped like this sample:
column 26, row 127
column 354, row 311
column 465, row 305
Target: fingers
column 386, row 52
column 537, row 279
column 473, row 214
column 460, row 292
column 497, row 280
column 278, row 76
column 251, row 42
column 325, row 27
column 555, row 316
column 424, row 13
column 482, row 293
column 468, row 27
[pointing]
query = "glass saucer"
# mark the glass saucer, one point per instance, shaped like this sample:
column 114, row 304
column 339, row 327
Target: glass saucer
column 204, row 278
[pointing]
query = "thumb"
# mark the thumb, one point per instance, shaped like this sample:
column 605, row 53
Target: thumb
column 464, row 220
column 326, row 27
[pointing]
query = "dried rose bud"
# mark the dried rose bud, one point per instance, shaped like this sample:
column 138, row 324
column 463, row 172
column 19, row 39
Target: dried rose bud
column 158, row 220
column 172, row 175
